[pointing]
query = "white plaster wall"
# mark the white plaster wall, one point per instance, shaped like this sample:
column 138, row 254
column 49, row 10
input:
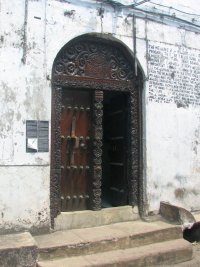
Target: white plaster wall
column 25, row 94
column 25, row 91
column 172, row 130
column 173, row 165
column 171, row 135
column 24, row 201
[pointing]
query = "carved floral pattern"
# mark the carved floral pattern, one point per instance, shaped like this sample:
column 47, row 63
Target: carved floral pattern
column 97, row 150
column 93, row 59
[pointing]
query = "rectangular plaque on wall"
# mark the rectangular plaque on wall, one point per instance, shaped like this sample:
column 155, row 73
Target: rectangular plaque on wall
column 37, row 136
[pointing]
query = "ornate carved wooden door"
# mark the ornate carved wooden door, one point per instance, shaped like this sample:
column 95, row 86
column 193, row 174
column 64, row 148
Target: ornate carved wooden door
column 75, row 149
column 96, row 64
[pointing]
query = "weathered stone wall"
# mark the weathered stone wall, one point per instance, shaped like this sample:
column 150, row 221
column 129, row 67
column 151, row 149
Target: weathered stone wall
column 31, row 34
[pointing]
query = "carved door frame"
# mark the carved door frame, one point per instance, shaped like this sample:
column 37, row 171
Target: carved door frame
column 95, row 63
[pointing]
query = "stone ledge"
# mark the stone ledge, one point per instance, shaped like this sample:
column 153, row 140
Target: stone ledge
column 88, row 218
column 18, row 250
column 85, row 241
column 165, row 253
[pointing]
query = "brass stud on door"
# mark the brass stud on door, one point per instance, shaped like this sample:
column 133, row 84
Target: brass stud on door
column 74, row 167
column 98, row 168
column 62, row 137
column 82, row 145
column 81, row 167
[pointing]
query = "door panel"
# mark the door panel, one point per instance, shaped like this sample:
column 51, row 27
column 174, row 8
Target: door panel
column 115, row 152
column 75, row 149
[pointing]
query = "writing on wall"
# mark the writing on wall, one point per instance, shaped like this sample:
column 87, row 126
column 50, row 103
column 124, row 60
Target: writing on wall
column 174, row 74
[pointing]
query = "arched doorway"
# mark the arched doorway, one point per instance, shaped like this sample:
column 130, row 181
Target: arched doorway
column 96, row 125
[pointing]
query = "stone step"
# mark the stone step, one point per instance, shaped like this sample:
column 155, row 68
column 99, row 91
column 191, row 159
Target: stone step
column 89, row 218
column 85, row 241
column 18, row 250
column 165, row 253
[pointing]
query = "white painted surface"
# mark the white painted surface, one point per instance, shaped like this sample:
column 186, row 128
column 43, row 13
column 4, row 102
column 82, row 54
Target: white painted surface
column 173, row 165
column 24, row 201
column 172, row 134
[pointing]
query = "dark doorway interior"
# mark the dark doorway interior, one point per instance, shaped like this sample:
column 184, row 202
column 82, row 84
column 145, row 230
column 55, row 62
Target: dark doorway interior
column 115, row 129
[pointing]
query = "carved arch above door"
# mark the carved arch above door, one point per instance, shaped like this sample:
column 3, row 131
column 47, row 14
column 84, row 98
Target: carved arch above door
column 91, row 62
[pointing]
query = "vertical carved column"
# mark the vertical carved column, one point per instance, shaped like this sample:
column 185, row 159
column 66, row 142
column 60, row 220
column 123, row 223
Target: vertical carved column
column 134, row 145
column 55, row 153
column 96, row 174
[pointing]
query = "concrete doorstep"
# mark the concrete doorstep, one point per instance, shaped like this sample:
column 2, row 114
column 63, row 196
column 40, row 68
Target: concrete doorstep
column 135, row 243
column 168, row 252
column 90, row 218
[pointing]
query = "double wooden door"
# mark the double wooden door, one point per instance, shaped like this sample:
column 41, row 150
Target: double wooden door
column 77, row 149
